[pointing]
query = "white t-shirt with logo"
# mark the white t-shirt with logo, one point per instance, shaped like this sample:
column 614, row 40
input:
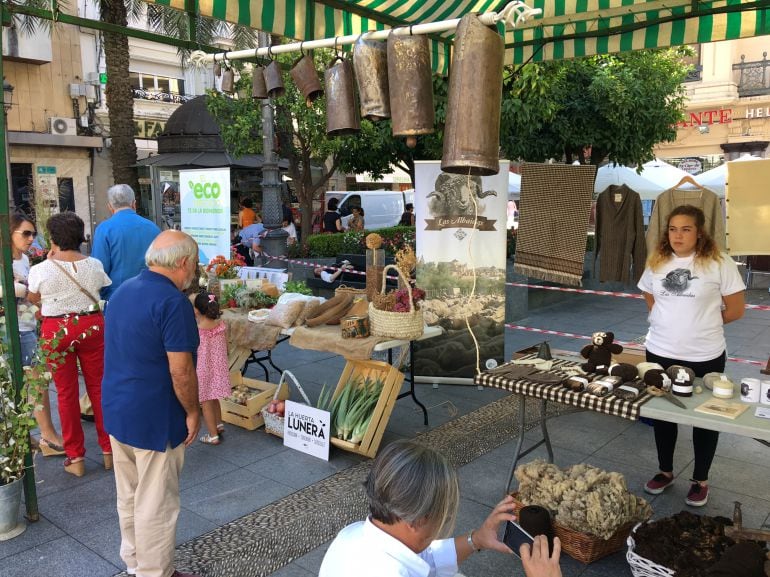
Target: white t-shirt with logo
column 686, row 319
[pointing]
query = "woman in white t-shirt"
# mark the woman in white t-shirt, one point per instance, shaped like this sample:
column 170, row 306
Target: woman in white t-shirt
column 692, row 290
column 23, row 233
column 67, row 287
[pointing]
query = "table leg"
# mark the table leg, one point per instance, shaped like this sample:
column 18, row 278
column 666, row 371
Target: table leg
column 411, row 381
column 519, row 453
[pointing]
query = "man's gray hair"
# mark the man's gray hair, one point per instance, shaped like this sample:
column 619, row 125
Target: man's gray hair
column 120, row 196
column 413, row 483
column 170, row 255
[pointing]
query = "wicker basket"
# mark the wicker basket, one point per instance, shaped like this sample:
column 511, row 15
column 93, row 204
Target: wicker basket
column 407, row 326
column 585, row 547
column 273, row 422
column 641, row 567
column 355, row 292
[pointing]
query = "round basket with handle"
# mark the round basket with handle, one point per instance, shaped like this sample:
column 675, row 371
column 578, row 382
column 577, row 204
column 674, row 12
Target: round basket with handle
column 408, row 325
column 273, row 421
column 640, row 566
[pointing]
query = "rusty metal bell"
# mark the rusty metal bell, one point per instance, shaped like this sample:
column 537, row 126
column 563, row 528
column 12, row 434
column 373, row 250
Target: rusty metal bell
column 370, row 61
column 258, row 87
column 472, row 132
column 410, row 86
column 305, row 77
column 228, row 81
column 341, row 109
column 274, row 80
column 217, row 69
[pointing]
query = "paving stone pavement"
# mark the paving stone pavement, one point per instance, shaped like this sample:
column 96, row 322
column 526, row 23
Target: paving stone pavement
column 251, row 474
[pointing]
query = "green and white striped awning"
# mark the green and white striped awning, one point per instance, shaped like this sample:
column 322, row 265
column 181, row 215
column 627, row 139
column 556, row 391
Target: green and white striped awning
column 566, row 29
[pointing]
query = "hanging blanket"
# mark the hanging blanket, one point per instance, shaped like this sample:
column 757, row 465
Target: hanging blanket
column 554, row 208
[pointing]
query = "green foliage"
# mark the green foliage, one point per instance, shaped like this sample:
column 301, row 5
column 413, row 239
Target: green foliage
column 620, row 105
column 297, row 286
column 239, row 120
column 326, row 245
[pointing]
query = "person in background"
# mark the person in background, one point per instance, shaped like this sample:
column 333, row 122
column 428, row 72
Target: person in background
column 212, row 367
column 151, row 400
column 23, row 233
column 332, row 222
column 291, row 230
column 413, row 496
column 692, row 290
column 356, row 221
column 67, row 286
column 246, row 215
column 407, row 218
column 330, row 275
column 251, row 236
column 121, row 241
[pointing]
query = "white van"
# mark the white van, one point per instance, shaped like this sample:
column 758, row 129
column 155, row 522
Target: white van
column 382, row 208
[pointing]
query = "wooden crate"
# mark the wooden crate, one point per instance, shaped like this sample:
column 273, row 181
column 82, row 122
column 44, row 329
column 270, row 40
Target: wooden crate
column 392, row 378
column 248, row 416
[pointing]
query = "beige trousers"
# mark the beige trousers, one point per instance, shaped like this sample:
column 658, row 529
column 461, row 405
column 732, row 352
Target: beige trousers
column 148, row 506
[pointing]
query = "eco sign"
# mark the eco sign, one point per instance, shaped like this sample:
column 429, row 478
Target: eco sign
column 205, row 206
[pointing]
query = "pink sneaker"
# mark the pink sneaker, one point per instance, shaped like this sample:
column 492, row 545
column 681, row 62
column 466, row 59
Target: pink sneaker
column 658, row 484
column 698, row 495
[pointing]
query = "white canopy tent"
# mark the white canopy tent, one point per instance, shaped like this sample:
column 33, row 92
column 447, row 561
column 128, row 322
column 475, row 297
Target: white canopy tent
column 619, row 174
column 716, row 178
column 663, row 173
column 514, row 186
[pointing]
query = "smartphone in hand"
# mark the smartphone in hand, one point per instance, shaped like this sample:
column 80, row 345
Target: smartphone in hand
column 515, row 537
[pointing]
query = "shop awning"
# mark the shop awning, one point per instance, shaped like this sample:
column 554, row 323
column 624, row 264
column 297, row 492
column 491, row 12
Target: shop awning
column 207, row 160
column 566, row 28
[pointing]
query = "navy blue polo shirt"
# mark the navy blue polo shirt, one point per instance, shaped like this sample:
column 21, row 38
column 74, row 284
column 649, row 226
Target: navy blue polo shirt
column 146, row 317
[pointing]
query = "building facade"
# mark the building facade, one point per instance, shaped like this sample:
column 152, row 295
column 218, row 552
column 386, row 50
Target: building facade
column 728, row 112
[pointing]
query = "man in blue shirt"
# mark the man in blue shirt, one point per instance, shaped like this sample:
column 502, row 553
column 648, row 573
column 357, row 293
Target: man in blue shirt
column 251, row 236
column 150, row 399
column 121, row 241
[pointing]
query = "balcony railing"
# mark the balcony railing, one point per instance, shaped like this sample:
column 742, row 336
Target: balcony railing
column 161, row 96
column 754, row 78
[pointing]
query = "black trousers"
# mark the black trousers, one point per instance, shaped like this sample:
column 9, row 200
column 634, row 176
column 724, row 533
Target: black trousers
column 704, row 441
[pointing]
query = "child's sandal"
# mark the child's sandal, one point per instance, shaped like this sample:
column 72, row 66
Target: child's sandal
column 220, row 429
column 209, row 440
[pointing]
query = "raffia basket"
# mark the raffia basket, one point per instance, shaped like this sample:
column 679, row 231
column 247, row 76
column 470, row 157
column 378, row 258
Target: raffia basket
column 355, row 292
column 409, row 325
column 585, row 547
column 640, row 566
column 273, row 422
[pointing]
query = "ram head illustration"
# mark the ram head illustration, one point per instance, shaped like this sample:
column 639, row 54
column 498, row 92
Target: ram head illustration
column 453, row 195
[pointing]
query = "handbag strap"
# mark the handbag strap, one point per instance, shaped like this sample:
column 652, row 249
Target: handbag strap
column 77, row 284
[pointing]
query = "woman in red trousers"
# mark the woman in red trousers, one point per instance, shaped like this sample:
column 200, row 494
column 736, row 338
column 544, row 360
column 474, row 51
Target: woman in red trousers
column 67, row 287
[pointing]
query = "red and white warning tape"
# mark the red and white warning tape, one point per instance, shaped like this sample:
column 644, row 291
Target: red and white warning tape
column 604, row 293
column 315, row 265
column 629, row 345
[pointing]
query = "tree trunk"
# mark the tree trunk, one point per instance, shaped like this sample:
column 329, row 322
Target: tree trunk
column 120, row 98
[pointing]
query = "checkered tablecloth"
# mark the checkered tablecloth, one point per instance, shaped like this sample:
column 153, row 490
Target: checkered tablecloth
column 610, row 405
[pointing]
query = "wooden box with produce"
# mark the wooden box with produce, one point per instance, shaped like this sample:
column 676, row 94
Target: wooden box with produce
column 361, row 405
column 243, row 407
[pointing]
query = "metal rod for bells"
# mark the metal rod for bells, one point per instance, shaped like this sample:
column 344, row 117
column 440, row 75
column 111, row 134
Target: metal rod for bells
column 512, row 15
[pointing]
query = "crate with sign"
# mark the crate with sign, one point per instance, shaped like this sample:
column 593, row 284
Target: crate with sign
column 243, row 406
column 361, row 405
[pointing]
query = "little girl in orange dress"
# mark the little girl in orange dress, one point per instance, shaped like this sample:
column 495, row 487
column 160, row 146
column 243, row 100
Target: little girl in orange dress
column 212, row 365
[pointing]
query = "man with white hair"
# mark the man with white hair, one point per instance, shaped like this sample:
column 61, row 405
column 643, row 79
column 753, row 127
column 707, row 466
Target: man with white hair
column 121, row 241
column 150, row 399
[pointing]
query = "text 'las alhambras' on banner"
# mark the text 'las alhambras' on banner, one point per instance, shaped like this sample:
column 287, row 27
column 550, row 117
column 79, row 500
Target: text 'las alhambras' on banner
column 451, row 251
column 205, row 204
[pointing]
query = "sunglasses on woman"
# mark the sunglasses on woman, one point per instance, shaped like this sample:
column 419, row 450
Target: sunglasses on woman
column 27, row 233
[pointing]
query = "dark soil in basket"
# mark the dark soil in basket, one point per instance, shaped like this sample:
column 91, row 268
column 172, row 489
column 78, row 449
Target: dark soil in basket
column 687, row 543
column 693, row 546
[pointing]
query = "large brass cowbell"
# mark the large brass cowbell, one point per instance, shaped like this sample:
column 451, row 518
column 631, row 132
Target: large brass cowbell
column 472, row 133
column 258, row 86
column 370, row 60
column 410, row 86
column 341, row 109
column 274, row 80
column 305, row 77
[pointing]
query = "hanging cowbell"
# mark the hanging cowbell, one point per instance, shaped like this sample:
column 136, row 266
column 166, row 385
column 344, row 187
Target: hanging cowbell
column 306, row 78
column 274, row 80
column 472, row 133
column 258, row 87
column 370, row 60
column 410, row 86
column 228, row 81
column 217, row 69
column 341, row 110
